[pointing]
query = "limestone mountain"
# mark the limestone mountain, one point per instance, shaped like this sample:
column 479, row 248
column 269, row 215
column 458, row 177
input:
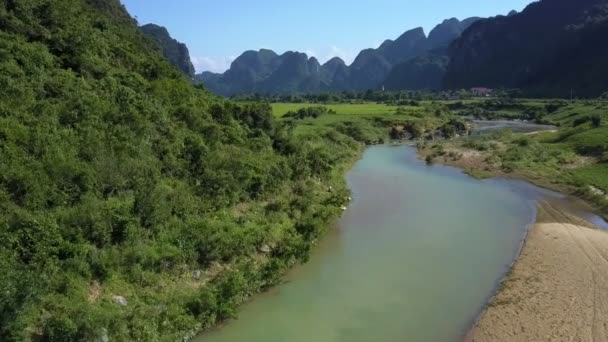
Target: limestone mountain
column 426, row 70
column 177, row 53
column 296, row 72
column 336, row 72
column 265, row 71
column 446, row 32
column 551, row 47
column 372, row 66
column 245, row 74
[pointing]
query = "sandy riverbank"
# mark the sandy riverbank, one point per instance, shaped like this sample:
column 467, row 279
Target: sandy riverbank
column 557, row 289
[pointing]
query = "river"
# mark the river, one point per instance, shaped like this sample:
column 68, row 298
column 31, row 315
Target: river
column 415, row 257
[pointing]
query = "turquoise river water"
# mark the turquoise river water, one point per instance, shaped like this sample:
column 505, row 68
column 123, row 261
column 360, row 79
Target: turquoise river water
column 415, row 257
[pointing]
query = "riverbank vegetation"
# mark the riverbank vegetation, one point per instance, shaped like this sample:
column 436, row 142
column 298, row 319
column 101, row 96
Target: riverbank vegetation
column 573, row 158
column 133, row 205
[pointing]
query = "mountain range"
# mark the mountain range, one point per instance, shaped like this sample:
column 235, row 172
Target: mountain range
column 267, row 72
column 551, row 48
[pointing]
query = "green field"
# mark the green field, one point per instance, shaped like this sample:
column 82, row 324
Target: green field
column 372, row 108
column 280, row 109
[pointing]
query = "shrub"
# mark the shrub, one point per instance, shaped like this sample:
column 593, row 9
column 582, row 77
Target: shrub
column 309, row 112
column 580, row 121
column 524, row 142
column 596, row 121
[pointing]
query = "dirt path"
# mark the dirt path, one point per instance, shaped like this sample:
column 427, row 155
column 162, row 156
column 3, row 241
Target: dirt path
column 557, row 290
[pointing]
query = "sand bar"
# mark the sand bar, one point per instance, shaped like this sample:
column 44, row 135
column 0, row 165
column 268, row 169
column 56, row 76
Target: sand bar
column 558, row 288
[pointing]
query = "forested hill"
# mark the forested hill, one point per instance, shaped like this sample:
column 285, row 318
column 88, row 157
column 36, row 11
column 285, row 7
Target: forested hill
column 177, row 53
column 134, row 206
column 551, row 47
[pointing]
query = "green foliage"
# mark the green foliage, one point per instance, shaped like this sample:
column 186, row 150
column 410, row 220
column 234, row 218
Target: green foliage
column 596, row 121
column 580, row 121
column 594, row 175
column 588, row 141
column 119, row 178
column 309, row 112
column 554, row 106
column 571, row 159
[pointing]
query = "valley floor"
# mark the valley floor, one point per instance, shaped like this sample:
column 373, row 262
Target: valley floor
column 557, row 289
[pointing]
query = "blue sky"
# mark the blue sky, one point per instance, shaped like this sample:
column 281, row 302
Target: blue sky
column 217, row 31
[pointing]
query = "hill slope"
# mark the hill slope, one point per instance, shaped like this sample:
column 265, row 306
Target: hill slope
column 133, row 206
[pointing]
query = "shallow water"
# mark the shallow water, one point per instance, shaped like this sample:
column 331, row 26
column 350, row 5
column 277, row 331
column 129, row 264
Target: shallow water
column 415, row 258
column 481, row 127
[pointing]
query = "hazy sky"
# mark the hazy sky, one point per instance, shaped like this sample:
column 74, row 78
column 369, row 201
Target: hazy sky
column 217, row 31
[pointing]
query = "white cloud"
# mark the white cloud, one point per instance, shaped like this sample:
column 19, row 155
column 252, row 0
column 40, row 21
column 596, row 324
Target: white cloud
column 347, row 55
column 213, row 64
column 310, row 53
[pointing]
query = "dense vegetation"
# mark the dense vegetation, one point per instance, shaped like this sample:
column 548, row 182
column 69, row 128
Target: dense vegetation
column 137, row 207
column 363, row 97
column 134, row 206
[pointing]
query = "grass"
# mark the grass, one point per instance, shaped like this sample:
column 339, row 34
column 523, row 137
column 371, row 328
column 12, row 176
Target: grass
column 570, row 160
column 370, row 121
column 595, row 175
column 567, row 115
column 280, row 109
column 552, row 158
column 589, row 141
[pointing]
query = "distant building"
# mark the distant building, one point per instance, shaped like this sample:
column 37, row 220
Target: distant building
column 481, row 91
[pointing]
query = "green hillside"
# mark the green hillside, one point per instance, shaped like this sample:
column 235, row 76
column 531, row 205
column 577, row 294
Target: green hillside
column 133, row 206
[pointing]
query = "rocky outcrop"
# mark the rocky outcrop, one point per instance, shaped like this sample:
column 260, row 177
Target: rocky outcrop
column 426, row 71
column 175, row 52
column 120, row 300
